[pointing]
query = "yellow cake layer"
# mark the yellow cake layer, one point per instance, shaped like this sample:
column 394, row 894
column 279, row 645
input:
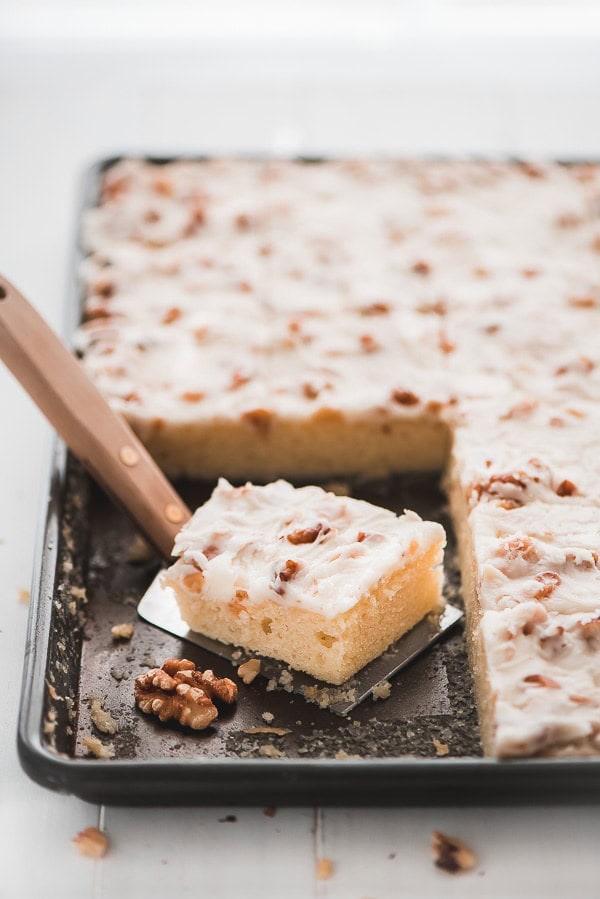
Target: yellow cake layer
column 327, row 445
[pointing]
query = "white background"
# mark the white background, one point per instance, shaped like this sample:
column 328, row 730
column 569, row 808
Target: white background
column 82, row 80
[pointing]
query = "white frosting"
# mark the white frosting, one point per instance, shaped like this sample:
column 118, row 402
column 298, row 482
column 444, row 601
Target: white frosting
column 546, row 552
column 543, row 671
column 523, row 449
column 289, row 286
column 244, row 537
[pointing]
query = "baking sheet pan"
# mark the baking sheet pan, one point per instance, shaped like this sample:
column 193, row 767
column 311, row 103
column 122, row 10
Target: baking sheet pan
column 421, row 745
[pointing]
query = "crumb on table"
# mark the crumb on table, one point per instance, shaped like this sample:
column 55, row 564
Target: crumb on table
column 91, row 842
column 450, row 854
column 324, row 869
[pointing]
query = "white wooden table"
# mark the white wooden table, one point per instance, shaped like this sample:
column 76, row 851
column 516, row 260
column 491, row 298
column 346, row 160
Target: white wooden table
column 61, row 106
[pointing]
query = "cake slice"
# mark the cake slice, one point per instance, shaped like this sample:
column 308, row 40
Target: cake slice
column 531, row 583
column 323, row 582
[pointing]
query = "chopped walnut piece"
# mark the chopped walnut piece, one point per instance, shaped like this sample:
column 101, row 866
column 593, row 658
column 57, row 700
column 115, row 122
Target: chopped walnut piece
column 163, row 186
column 520, row 547
column 520, row 410
column 310, row 391
column 445, row 345
column 566, row 488
column 324, row 869
column 238, row 379
column 249, row 670
column 368, row 343
column 377, row 308
column 541, row 680
column 568, row 220
column 122, row 631
column 420, row 267
column 479, row 488
column 180, row 692
column 261, row 419
column 439, row 307
column 243, row 221
column 531, row 170
column 583, row 302
column 549, row 580
column 405, row 397
column 171, row 315
column 289, row 570
column 306, row 535
column 450, row 854
column 590, row 630
column 91, row 842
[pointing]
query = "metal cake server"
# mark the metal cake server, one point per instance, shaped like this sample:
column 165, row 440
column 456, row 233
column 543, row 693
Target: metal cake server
column 107, row 447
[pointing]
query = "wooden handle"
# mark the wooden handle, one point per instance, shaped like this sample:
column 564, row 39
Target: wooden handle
column 100, row 438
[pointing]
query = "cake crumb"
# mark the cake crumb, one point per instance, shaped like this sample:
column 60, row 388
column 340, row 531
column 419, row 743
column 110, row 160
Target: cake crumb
column 286, row 680
column 102, row 719
column 270, row 752
column 24, row 595
column 382, row 690
column 269, row 811
column 271, row 685
column 450, row 854
column 440, row 748
column 342, row 754
column 324, row 869
column 278, row 731
column 249, row 670
column 268, row 717
column 98, row 748
column 237, row 654
column 122, row 631
column 139, row 550
column 91, row 842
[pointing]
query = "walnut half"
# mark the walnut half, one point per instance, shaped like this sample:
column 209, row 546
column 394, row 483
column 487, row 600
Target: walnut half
column 180, row 692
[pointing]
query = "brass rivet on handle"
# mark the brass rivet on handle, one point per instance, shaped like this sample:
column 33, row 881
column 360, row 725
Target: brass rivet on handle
column 173, row 513
column 128, row 455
